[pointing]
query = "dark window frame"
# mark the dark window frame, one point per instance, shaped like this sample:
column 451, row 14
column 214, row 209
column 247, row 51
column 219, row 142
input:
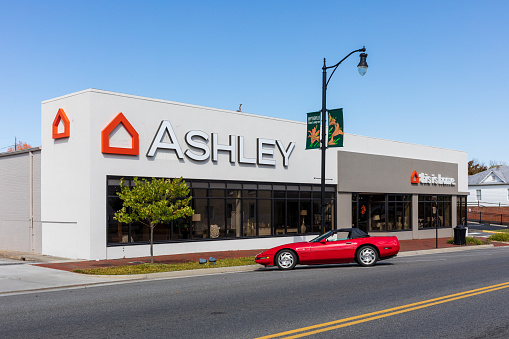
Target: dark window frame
column 227, row 185
column 390, row 198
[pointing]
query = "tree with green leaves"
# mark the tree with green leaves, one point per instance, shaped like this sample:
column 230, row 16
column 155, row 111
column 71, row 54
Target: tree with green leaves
column 152, row 202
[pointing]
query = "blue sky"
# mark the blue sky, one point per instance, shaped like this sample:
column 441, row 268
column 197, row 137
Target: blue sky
column 438, row 71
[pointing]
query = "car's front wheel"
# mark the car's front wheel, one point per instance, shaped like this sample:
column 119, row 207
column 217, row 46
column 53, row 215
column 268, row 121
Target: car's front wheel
column 367, row 256
column 286, row 260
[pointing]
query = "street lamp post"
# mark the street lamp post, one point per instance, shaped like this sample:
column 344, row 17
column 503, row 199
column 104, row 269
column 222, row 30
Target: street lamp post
column 362, row 67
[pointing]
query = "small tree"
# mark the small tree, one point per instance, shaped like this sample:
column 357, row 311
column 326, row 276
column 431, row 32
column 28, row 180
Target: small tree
column 153, row 202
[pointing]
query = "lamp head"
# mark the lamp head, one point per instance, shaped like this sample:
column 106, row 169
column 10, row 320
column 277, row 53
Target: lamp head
column 362, row 66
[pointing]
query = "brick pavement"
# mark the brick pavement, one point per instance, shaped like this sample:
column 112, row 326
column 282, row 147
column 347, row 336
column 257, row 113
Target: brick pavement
column 405, row 245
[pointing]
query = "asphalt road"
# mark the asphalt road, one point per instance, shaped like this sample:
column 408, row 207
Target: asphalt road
column 268, row 301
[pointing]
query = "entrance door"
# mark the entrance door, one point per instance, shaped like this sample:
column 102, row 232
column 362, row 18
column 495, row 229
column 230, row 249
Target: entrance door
column 362, row 214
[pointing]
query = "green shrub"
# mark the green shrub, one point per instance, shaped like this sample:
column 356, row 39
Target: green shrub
column 470, row 241
column 475, row 241
column 499, row 237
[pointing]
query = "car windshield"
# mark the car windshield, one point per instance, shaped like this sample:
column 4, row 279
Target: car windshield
column 323, row 236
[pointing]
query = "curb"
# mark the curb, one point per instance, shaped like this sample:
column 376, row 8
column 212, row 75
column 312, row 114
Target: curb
column 142, row 277
column 442, row 250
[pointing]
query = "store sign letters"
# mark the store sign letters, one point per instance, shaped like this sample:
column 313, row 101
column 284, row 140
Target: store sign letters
column 425, row 179
column 202, row 147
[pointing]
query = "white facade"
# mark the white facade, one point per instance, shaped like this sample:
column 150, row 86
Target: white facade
column 489, row 188
column 74, row 168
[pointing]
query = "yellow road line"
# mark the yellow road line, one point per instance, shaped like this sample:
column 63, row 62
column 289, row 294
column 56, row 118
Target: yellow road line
column 384, row 313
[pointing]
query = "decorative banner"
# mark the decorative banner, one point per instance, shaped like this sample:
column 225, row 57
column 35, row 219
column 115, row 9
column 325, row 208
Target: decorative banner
column 335, row 138
column 313, row 132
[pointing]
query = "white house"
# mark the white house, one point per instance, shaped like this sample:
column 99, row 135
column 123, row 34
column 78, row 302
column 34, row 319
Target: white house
column 489, row 188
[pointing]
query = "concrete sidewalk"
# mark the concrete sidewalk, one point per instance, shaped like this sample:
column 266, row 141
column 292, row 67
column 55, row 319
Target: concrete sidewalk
column 23, row 272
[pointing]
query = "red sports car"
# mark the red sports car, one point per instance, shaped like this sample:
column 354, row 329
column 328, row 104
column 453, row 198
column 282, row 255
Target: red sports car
column 337, row 246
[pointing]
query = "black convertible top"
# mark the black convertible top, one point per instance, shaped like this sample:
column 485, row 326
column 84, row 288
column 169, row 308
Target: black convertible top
column 356, row 233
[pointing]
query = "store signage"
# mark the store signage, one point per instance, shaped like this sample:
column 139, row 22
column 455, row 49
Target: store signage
column 61, row 117
column 425, row 179
column 120, row 119
column 202, row 147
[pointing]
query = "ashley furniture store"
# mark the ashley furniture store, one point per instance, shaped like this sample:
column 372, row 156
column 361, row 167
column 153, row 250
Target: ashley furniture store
column 253, row 183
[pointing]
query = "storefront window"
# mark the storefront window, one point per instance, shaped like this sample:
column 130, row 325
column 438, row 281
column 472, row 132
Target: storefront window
column 234, row 210
column 399, row 208
column 381, row 212
column 305, row 217
column 280, row 216
column 249, row 217
column 217, row 218
column 434, row 211
column 377, row 212
column 199, row 221
column 461, row 209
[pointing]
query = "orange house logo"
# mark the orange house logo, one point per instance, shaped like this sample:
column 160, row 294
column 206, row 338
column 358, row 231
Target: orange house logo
column 105, row 137
column 414, row 178
column 61, row 117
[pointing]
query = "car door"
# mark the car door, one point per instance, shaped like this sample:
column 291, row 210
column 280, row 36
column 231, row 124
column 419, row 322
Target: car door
column 338, row 249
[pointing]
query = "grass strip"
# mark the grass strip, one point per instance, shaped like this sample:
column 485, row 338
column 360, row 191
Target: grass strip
column 156, row 268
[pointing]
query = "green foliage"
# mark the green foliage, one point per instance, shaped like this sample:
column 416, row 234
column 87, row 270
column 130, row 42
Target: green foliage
column 470, row 241
column 499, row 237
column 156, row 268
column 475, row 241
column 153, row 202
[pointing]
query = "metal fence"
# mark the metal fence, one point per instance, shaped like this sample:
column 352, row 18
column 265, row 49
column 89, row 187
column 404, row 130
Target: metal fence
column 488, row 213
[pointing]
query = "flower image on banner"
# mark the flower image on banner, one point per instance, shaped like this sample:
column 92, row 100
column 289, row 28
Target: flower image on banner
column 335, row 137
column 313, row 131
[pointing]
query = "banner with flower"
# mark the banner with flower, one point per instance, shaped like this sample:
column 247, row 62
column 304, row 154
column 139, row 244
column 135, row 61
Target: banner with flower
column 313, row 132
column 335, row 135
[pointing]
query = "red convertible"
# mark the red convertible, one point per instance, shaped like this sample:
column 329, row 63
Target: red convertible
column 337, row 246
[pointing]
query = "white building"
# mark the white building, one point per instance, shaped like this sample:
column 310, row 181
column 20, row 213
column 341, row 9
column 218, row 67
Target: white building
column 489, row 188
column 252, row 180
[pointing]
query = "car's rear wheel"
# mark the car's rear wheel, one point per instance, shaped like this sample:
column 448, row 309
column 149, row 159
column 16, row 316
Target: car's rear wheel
column 286, row 260
column 367, row 256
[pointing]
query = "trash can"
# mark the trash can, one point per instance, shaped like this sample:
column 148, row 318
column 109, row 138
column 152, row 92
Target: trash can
column 460, row 234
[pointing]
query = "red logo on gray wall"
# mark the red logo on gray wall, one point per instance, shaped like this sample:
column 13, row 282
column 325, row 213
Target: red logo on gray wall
column 414, row 178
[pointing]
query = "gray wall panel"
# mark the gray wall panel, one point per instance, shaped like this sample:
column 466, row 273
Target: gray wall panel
column 15, row 201
column 368, row 173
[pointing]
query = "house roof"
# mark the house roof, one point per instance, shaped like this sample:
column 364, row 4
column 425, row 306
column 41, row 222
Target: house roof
column 493, row 176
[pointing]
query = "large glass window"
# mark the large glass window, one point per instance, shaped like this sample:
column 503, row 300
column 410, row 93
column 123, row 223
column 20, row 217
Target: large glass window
column 434, row 211
column 232, row 210
column 381, row 212
column 461, row 210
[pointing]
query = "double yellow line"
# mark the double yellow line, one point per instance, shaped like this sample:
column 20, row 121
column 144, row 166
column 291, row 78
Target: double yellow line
column 332, row 325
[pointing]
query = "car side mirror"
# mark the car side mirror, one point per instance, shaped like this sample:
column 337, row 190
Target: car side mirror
column 323, row 241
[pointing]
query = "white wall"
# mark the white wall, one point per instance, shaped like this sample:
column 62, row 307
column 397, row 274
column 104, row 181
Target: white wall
column 74, row 170
column 491, row 195
column 66, row 182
